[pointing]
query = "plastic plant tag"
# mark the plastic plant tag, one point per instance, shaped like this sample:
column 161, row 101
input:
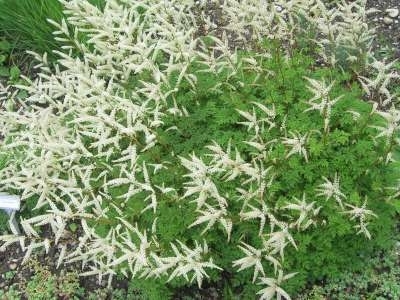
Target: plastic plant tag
column 9, row 202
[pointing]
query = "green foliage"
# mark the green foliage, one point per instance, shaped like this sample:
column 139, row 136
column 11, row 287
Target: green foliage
column 348, row 148
column 12, row 293
column 5, row 48
column 41, row 287
column 43, row 284
column 8, row 70
column 379, row 279
column 149, row 290
column 3, row 222
column 230, row 169
column 25, row 23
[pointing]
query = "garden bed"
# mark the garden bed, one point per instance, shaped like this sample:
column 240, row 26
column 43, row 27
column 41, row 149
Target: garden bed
column 281, row 78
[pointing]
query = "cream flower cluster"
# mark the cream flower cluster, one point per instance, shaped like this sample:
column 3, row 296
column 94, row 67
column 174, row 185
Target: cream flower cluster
column 97, row 111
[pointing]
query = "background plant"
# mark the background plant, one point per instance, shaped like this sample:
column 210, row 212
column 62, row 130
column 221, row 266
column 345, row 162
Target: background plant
column 161, row 145
column 35, row 280
column 26, row 23
column 379, row 280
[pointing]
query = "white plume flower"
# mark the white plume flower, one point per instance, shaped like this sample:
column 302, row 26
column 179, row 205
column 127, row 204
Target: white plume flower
column 254, row 258
column 361, row 214
column 305, row 211
column 331, row 189
column 184, row 262
column 273, row 287
column 297, row 143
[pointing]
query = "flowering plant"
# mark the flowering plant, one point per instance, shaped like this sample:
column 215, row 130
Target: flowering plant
column 180, row 156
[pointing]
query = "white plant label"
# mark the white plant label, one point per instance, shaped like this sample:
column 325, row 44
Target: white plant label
column 9, row 202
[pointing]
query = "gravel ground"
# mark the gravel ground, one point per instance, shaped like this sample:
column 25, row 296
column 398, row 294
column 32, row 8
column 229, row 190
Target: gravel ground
column 387, row 24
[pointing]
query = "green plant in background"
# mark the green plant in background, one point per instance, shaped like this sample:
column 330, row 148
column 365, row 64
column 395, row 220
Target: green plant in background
column 68, row 285
column 35, row 281
column 9, row 75
column 8, row 71
column 378, row 280
column 114, row 294
column 339, row 133
column 183, row 160
column 25, row 22
column 11, row 294
column 43, row 284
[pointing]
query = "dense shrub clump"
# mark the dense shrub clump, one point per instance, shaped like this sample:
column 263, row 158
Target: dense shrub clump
column 183, row 160
column 320, row 177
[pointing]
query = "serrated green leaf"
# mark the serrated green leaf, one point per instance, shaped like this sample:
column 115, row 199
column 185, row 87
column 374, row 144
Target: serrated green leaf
column 14, row 72
column 73, row 227
column 4, row 71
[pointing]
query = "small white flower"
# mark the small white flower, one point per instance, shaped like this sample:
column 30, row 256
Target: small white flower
column 212, row 215
column 360, row 213
column 253, row 258
column 256, row 213
column 297, row 144
column 273, row 287
column 277, row 240
column 392, row 118
column 331, row 189
column 184, row 262
column 305, row 210
column 325, row 103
